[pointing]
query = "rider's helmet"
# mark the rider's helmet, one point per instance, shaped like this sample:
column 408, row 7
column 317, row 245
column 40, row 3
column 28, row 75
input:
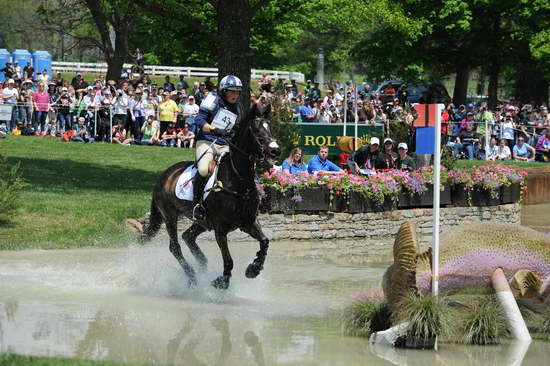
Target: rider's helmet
column 231, row 82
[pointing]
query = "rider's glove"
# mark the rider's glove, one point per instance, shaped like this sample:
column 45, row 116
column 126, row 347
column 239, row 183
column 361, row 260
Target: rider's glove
column 219, row 132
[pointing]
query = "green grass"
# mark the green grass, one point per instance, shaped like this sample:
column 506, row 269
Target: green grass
column 80, row 194
column 17, row 360
column 519, row 164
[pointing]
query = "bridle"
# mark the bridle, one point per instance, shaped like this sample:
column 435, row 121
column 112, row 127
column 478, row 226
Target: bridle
column 261, row 155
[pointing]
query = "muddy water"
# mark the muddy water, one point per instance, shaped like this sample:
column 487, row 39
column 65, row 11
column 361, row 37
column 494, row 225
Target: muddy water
column 133, row 305
column 536, row 216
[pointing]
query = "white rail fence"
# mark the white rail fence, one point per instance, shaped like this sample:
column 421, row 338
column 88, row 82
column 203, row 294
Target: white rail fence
column 63, row 66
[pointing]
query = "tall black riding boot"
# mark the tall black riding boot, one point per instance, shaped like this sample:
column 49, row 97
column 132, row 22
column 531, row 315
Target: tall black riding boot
column 199, row 212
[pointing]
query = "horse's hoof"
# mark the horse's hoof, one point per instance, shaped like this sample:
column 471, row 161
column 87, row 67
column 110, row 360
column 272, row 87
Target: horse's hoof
column 221, row 283
column 253, row 270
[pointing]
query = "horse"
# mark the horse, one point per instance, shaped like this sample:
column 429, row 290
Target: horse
column 233, row 206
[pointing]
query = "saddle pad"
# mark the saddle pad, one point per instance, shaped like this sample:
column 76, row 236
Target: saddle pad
column 184, row 185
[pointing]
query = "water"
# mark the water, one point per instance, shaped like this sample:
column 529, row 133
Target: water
column 536, row 216
column 132, row 305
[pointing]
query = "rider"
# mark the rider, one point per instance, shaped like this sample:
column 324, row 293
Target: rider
column 218, row 115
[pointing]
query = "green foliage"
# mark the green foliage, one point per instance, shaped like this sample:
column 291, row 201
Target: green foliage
column 483, row 323
column 428, row 316
column 11, row 185
column 285, row 132
column 366, row 316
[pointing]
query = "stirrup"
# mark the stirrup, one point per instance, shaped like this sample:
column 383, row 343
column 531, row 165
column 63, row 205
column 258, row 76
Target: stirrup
column 199, row 212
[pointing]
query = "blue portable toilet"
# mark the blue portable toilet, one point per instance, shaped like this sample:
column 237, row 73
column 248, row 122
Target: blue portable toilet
column 42, row 60
column 21, row 57
column 5, row 56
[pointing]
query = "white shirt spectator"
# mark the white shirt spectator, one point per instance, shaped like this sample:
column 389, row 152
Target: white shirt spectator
column 120, row 104
column 507, row 130
column 10, row 95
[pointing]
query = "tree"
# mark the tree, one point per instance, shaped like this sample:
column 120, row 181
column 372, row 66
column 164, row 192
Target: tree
column 113, row 18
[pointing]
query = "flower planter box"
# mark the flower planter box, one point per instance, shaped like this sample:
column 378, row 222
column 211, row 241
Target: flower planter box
column 459, row 196
column 313, row 199
column 339, row 203
column 278, row 202
column 373, row 206
column 356, row 203
column 425, row 199
column 482, row 197
column 510, row 194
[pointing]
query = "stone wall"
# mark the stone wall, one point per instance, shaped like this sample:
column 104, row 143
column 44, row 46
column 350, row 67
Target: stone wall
column 378, row 225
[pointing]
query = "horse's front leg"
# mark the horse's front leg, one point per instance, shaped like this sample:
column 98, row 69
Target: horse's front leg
column 255, row 231
column 222, row 282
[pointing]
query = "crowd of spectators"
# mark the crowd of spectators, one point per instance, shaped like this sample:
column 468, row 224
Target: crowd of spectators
column 135, row 110
column 131, row 111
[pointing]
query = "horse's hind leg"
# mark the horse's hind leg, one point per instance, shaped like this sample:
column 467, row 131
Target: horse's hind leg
column 222, row 282
column 189, row 236
column 255, row 231
column 175, row 248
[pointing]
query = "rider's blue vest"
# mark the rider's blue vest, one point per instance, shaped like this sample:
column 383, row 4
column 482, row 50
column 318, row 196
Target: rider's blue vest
column 209, row 107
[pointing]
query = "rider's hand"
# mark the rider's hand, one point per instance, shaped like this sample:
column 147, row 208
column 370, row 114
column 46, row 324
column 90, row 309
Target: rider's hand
column 218, row 132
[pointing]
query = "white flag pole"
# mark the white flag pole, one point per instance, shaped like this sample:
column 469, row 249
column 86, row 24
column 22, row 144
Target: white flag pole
column 436, row 187
column 356, row 119
column 345, row 108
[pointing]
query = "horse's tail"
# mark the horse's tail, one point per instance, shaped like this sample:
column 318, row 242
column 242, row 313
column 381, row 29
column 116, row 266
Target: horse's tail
column 153, row 226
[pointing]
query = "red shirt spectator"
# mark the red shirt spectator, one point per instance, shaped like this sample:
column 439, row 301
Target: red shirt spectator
column 41, row 100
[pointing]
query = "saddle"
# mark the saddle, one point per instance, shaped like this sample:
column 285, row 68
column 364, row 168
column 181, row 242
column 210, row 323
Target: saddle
column 184, row 185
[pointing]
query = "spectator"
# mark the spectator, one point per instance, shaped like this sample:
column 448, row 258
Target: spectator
column 170, row 136
column 24, row 101
column 28, row 71
column 44, row 77
column 307, row 113
column 78, row 82
column 314, row 93
column 503, row 151
column 119, row 134
column 321, row 163
column 507, row 129
column 137, row 106
column 59, row 81
column 8, row 70
column 295, row 162
column 363, row 159
column 10, row 95
column 190, row 110
column 41, row 104
column 81, row 132
column 185, row 136
column 522, row 151
column 492, row 151
column 120, row 105
column 208, row 84
column 182, row 83
column 167, row 113
column 404, row 161
column 543, row 146
column 467, row 141
column 149, row 132
column 265, row 83
column 63, row 105
column 386, row 158
column 151, row 104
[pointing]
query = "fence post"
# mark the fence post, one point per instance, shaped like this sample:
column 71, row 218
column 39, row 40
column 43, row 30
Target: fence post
column 188, row 72
column 111, row 124
column 95, row 122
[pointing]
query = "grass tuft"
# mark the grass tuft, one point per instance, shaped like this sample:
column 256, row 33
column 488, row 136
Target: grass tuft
column 484, row 323
column 366, row 316
column 428, row 316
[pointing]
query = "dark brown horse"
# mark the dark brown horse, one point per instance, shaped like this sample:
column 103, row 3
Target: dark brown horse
column 234, row 206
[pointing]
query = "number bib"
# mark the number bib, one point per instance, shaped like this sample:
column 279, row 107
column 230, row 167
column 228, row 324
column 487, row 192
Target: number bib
column 224, row 119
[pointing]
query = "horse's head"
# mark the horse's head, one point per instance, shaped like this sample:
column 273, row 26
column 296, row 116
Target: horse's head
column 264, row 144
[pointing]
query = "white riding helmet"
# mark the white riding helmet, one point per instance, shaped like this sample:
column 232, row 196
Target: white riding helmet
column 231, row 82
